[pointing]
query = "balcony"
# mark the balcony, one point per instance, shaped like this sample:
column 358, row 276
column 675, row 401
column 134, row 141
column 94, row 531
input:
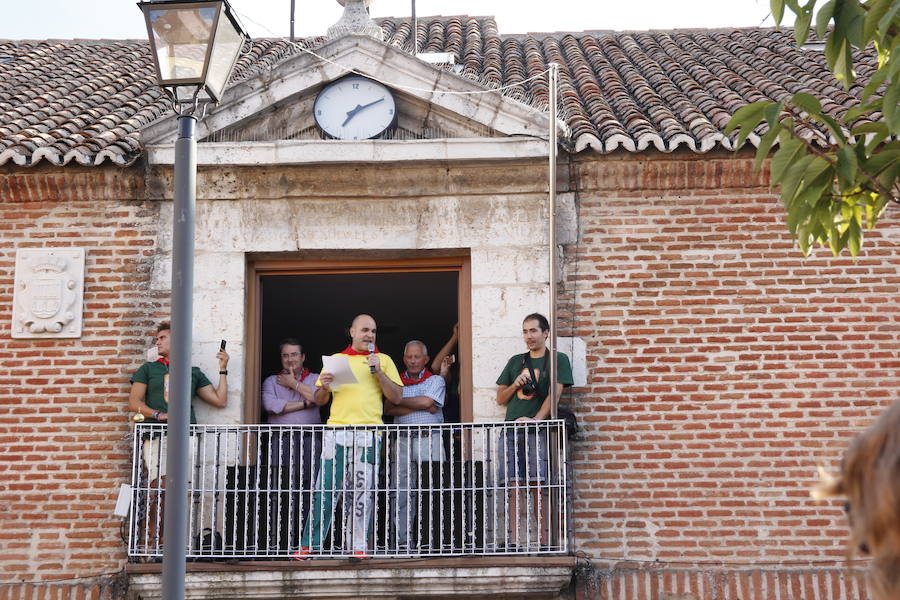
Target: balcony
column 476, row 504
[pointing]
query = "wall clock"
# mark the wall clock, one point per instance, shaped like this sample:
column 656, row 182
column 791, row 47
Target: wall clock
column 355, row 108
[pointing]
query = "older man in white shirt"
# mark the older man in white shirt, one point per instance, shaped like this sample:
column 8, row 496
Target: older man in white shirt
column 419, row 451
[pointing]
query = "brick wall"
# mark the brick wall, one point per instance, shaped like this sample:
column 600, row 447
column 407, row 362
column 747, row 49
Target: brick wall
column 63, row 410
column 722, row 365
column 603, row 581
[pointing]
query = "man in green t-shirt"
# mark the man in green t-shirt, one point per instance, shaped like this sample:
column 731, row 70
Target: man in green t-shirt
column 149, row 397
column 524, row 389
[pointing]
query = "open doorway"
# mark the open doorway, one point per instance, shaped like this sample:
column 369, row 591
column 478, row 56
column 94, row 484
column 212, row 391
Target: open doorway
column 315, row 302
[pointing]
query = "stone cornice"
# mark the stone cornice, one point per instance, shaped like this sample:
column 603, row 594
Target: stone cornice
column 474, row 578
column 293, row 152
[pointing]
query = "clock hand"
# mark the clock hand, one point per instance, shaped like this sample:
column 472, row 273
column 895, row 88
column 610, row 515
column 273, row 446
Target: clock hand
column 352, row 113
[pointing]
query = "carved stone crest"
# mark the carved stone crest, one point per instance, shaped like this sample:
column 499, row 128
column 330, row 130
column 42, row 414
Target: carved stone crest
column 49, row 293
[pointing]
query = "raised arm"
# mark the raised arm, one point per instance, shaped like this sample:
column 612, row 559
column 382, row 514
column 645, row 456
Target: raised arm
column 445, row 350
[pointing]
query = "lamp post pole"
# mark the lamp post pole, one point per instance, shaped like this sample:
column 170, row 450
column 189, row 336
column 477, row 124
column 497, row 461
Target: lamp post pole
column 552, row 76
column 194, row 45
column 178, row 455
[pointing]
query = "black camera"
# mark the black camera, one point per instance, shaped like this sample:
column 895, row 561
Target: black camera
column 528, row 388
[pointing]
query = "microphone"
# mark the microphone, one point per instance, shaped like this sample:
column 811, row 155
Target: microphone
column 372, row 351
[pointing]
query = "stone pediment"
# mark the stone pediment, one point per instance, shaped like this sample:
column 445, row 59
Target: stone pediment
column 276, row 106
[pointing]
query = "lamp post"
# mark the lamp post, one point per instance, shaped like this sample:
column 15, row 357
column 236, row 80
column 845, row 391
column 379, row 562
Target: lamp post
column 195, row 45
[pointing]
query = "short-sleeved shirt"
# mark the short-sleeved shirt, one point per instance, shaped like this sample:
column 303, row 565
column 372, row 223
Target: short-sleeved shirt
column 275, row 397
column 360, row 403
column 433, row 387
column 155, row 375
column 521, row 405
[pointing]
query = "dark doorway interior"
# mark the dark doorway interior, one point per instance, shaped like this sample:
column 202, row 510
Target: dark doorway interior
column 317, row 309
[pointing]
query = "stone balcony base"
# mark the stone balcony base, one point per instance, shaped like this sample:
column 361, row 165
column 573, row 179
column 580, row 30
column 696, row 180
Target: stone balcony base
column 501, row 577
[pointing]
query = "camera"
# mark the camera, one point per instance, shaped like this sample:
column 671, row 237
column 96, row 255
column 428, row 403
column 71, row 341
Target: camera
column 529, row 389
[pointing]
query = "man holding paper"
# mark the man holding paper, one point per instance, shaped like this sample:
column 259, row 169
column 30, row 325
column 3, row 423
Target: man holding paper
column 350, row 455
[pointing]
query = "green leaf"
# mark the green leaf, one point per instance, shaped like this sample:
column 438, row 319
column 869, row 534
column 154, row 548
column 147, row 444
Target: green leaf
column 889, row 175
column 816, row 190
column 803, row 238
column 793, row 176
column 801, row 26
column 746, row 119
column 880, row 161
column 798, row 213
column 824, row 218
column 876, row 140
column 875, row 127
column 790, row 149
column 823, row 18
column 847, row 167
column 835, row 127
column 885, row 21
column 765, row 145
column 772, row 112
column 851, row 16
column 877, row 10
column 891, row 111
column 843, row 65
column 777, row 8
column 854, row 239
column 807, row 102
column 877, row 79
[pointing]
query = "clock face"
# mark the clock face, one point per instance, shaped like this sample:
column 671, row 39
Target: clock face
column 355, row 108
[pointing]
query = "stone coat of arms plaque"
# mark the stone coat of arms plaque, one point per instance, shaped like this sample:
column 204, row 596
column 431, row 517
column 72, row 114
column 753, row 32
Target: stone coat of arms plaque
column 49, row 293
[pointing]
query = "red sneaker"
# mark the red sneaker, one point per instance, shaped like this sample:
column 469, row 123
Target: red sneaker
column 301, row 554
column 360, row 555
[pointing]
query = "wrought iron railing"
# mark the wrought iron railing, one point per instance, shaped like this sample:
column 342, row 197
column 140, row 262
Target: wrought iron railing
column 282, row 492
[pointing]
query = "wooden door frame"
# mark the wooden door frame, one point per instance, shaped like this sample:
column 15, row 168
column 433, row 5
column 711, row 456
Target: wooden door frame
column 258, row 268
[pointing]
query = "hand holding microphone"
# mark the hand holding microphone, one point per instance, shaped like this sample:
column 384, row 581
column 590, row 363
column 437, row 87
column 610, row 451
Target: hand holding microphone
column 371, row 349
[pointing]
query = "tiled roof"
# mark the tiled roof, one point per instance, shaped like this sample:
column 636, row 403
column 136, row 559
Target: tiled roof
column 87, row 100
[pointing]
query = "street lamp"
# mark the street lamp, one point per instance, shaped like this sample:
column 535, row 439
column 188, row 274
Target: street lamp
column 194, row 45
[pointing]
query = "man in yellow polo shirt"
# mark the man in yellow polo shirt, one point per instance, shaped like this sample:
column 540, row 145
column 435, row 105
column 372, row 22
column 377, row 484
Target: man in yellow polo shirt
column 350, row 454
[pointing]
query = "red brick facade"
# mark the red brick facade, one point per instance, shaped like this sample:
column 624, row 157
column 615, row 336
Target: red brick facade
column 62, row 416
column 722, row 367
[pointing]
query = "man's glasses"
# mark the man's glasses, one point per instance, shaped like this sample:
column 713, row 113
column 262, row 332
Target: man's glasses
column 291, row 355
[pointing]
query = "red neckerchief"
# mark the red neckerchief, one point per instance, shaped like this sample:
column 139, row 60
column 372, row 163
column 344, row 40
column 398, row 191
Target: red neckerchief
column 303, row 373
column 407, row 380
column 350, row 351
column 163, row 360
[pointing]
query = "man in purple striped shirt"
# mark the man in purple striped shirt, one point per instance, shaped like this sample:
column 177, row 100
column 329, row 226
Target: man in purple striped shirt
column 287, row 398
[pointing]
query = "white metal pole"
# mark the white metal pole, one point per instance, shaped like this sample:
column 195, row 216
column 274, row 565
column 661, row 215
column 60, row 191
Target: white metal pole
column 552, row 76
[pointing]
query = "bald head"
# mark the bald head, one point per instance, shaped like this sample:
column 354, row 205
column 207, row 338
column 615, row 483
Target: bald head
column 362, row 332
column 357, row 318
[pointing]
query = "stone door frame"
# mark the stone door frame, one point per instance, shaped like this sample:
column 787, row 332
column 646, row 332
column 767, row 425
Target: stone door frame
column 258, row 268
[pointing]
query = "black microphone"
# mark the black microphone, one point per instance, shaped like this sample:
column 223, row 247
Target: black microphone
column 372, row 351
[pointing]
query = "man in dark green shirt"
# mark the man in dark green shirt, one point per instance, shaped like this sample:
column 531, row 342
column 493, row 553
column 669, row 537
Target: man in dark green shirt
column 150, row 383
column 149, row 396
column 524, row 389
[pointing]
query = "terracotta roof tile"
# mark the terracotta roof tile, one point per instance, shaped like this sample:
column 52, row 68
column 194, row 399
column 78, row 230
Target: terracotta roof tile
column 88, row 100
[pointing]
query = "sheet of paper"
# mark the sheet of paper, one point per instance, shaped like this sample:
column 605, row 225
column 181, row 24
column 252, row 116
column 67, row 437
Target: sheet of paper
column 338, row 366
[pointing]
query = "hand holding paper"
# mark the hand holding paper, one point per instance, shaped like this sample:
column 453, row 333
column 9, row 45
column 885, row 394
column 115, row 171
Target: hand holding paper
column 339, row 367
